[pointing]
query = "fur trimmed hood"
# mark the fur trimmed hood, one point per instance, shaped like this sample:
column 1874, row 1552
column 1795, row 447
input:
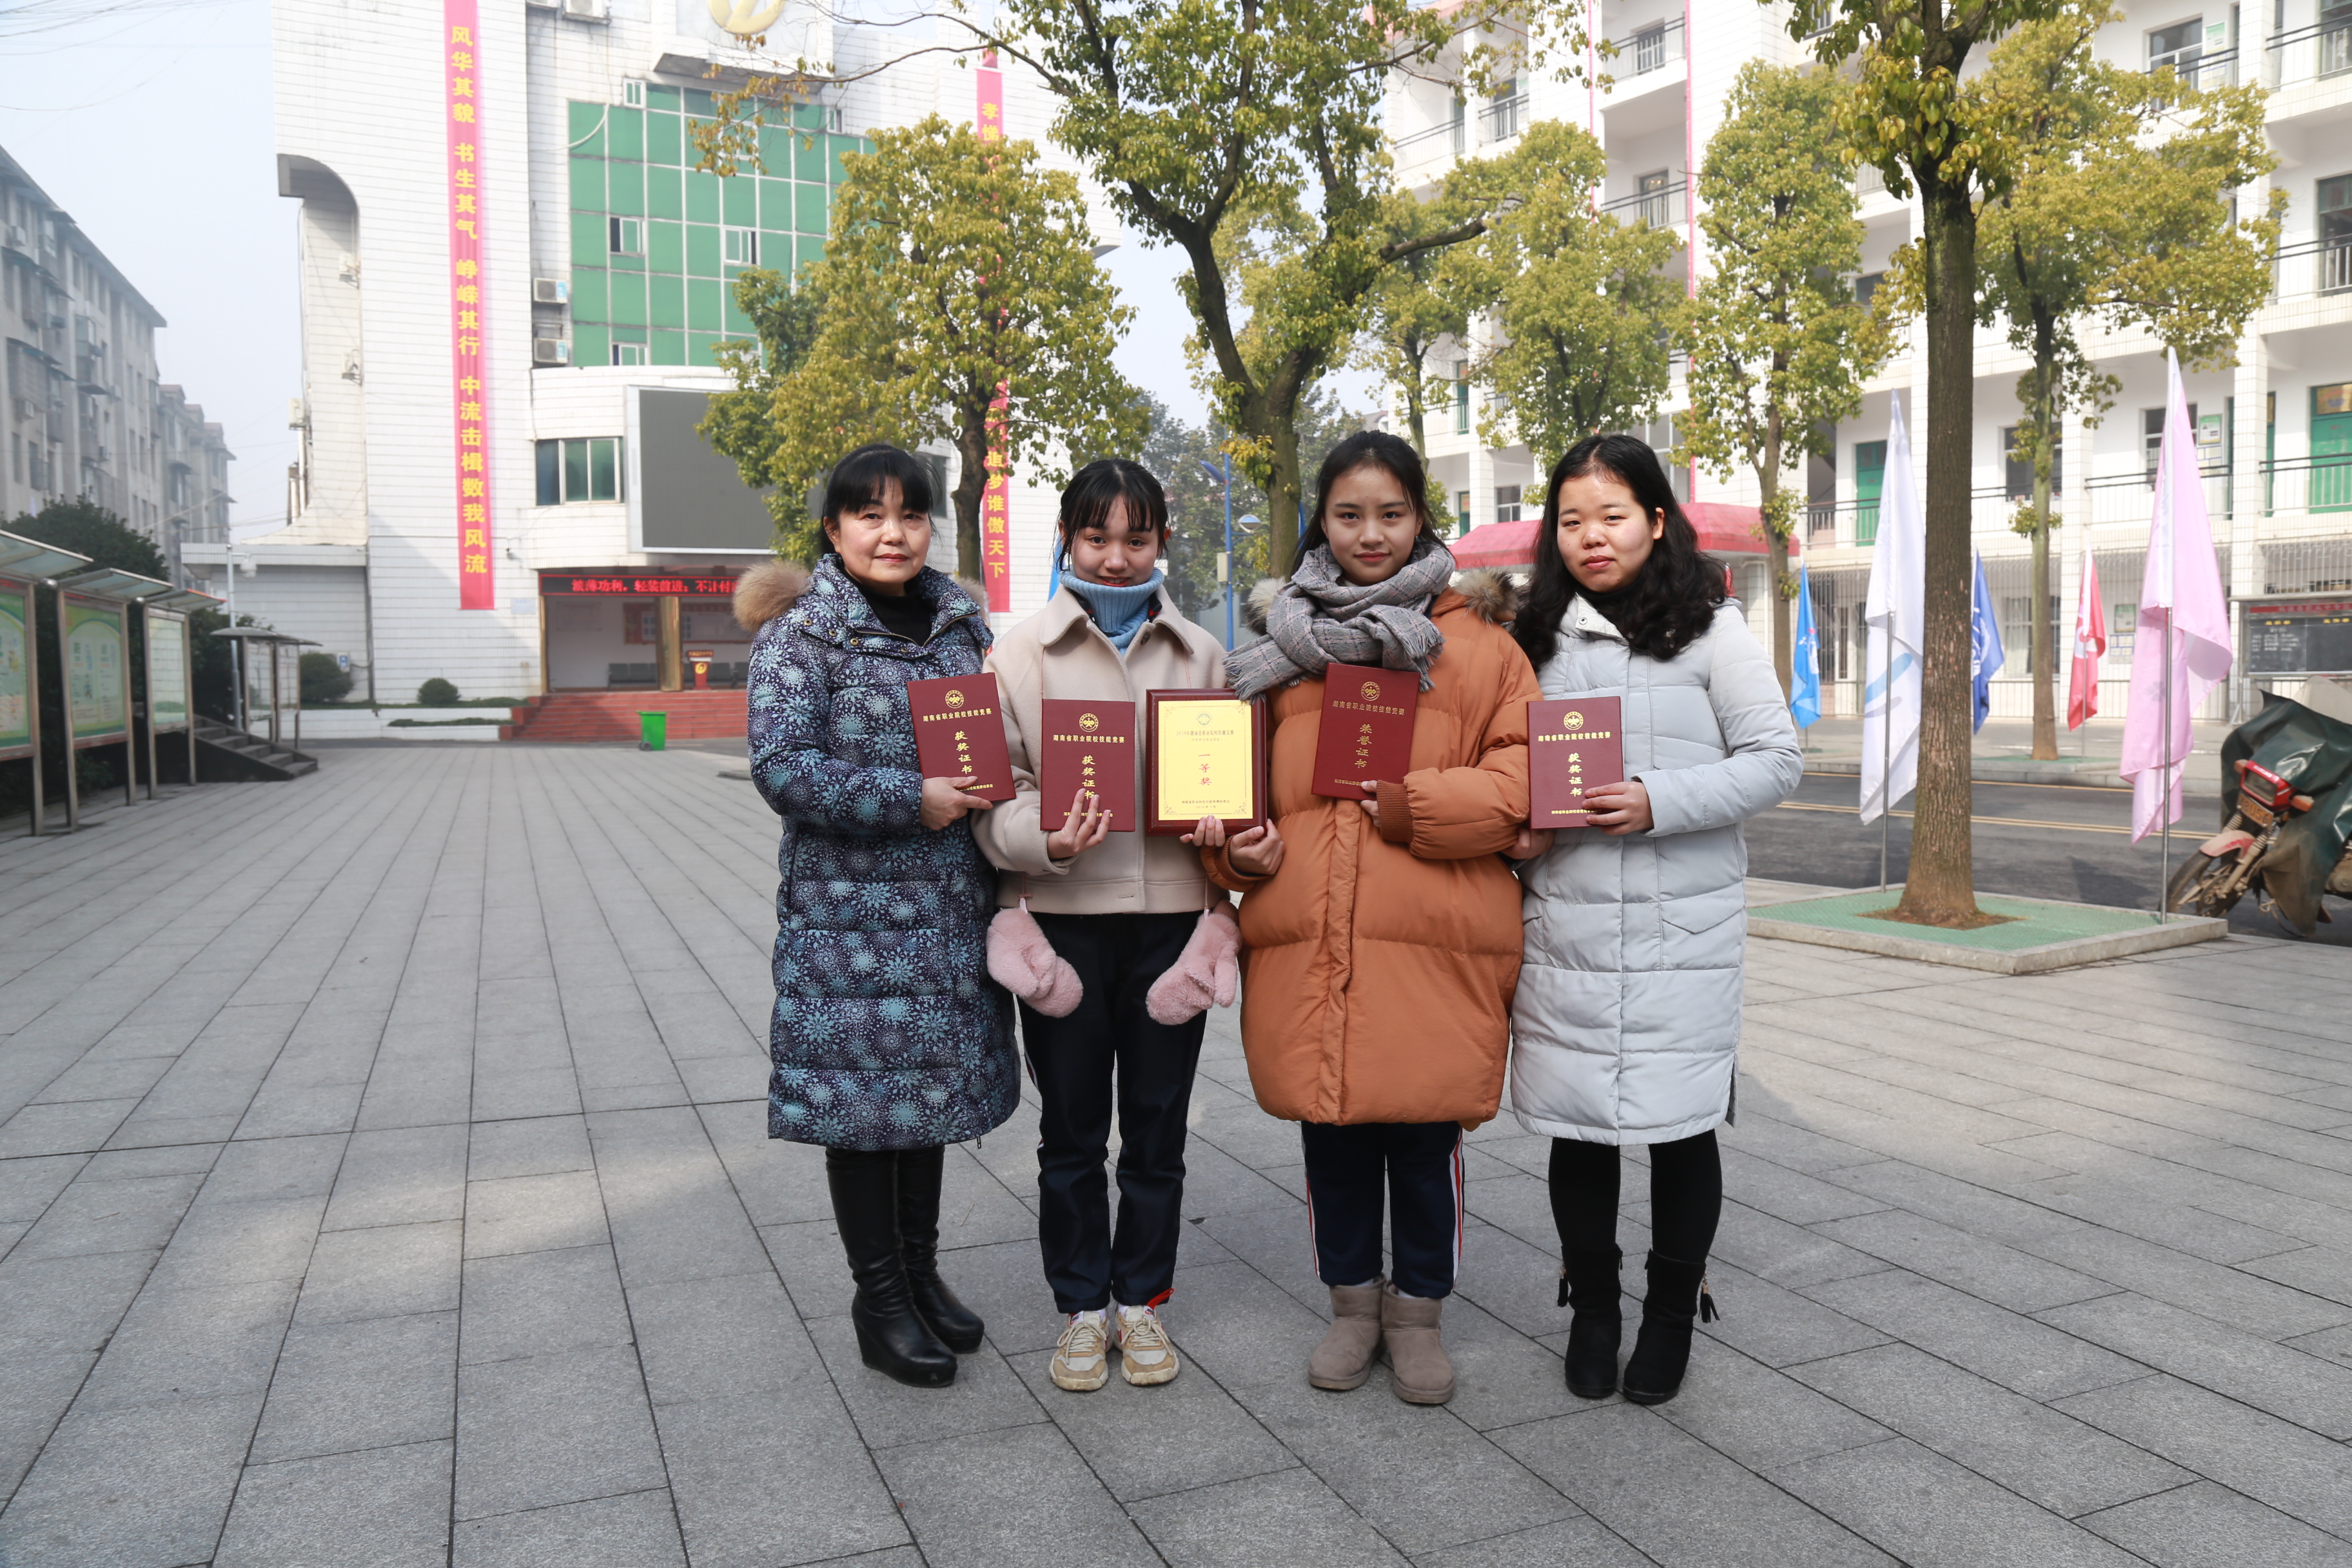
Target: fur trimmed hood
column 1492, row 595
column 767, row 591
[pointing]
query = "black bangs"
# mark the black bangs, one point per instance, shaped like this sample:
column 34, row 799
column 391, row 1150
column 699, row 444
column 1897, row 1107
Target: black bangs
column 1086, row 499
column 867, row 474
column 1661, row 612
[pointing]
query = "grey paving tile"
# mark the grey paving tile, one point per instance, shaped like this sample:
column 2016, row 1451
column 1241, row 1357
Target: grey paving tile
column 1775, row 1326
column 2291, row 1469
column 372, row 1383
column 28, row 1186
column 2285, row 1382
column 1789, row 1255
column 2207, row 1526
column 276, row 1168
column 67, row 1304
column 33, row 1399
column 767, row 1479
column 2231, row 1295
column 636, row 1530
column 534, row 1146
column 132, row 1213
column 673, row 1214
column 2317, row 1270
column 1610, row 1462
column 1194, row 1434
column 1286, row 1517
column 2001, row 1274
column 385, row 1508
column 1582, row 1541
column 2009, row 1348
column 406, row 1175
column 2044, row 1455
column 383, row 1271
column 534, row 1214
column 986, row 1395
column 79, row 1127
column 178, row 1345
column 553, row 1429
column 143, row 1484
column 950, row 1491
column 1930, row 1512
column 711, row 1338
column 543, row 1303
column 240, row 1243
column 1758, row 1417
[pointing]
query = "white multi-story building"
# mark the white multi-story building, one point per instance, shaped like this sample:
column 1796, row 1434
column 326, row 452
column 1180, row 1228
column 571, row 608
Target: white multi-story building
column 511, row 282
column 2274, row 433
column 86, row 415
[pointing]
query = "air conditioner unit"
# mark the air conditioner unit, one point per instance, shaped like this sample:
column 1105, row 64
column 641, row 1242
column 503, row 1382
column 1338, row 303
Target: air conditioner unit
column 540, row 5
column 549, row 350
column 550, row 291
column 584, row 10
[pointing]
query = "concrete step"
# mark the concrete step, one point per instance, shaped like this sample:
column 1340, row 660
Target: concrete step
column 225, row 755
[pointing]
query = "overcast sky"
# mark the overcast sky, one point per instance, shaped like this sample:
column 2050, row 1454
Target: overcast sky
column 153, row 127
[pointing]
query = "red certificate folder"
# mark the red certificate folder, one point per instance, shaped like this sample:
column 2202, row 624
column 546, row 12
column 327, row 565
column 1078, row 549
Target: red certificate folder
column 1088, row 746
column 1574, row 744
column 959, row 729
column 1367, row 729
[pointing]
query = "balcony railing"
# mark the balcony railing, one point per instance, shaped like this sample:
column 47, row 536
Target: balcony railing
column 2308, row 54
column 1645, row 49
column 1435, row 141
column 2198, row 70
column 2316, row 268
column 1501, row 118
column 1662, row 208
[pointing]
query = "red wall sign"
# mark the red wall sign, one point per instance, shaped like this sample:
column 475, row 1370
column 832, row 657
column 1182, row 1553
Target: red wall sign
column 476, row 579
column 690, row 588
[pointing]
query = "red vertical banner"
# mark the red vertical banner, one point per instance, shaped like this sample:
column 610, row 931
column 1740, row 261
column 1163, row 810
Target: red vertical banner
column 996, row 502
column 469, row 394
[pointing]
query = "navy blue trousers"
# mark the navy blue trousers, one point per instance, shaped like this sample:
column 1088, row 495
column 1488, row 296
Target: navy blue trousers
column 1411, row 1168
column 1074, row 1061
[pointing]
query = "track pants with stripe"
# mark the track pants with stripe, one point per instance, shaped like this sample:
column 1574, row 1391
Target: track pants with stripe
column 1415, row 1166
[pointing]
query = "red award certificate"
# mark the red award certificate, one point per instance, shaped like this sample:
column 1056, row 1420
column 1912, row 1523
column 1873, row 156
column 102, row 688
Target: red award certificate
column 959, row 731
column 1573, row 743
column 1088, row 746
column 1367, row 729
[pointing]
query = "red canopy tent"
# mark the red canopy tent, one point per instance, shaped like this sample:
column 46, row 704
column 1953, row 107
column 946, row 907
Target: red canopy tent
column 1723, row 529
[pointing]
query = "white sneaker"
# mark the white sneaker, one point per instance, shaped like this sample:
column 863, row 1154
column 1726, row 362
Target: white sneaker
column 1082, row 1360
column 1145, row 1356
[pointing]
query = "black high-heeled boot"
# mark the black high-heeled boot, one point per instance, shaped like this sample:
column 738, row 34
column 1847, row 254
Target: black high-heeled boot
column 1677, row 1298
column 892, row 1337
column 957, row 1325
column 1588, row 1283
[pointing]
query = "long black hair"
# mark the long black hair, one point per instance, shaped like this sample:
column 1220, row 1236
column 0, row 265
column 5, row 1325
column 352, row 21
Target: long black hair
column 866, row 475
column 1376, row 448
column 1673, row 599
column 1086, row 499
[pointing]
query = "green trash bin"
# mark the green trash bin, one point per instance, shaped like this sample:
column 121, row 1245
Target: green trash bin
column 653, row 731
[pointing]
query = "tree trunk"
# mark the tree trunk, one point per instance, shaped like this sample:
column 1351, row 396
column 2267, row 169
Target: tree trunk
column 1940, row 887
column 970, row 491
column 2042, row 661
column 1283, row 490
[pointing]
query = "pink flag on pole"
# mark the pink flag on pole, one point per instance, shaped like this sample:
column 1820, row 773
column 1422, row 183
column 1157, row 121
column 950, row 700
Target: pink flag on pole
column 2181, row 649
column 2090, row 646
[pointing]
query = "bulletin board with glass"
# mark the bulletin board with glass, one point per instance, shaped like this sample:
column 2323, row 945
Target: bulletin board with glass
column 168, row 695
column 17, row 668
column 96, row 671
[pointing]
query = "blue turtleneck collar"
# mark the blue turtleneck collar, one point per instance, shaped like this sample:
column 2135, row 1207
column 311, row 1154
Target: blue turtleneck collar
column 1118, row 612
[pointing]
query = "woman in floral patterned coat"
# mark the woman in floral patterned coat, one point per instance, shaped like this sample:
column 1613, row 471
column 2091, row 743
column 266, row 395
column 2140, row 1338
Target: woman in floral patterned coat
column 889, row 1040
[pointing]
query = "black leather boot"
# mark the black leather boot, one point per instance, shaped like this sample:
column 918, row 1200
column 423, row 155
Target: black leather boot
column 1677, row 1296
column 892, row 1338
column 957, row 1325
column 1588, row 1282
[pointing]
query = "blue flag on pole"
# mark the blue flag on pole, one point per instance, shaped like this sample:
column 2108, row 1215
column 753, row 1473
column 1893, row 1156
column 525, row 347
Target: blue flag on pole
column 1805, row 678
column 1985, row 654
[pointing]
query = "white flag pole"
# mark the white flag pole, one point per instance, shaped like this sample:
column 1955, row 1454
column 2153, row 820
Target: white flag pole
column 2164, row 858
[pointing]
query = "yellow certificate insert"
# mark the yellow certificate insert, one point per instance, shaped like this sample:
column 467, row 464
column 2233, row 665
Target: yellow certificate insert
column 1206, row 764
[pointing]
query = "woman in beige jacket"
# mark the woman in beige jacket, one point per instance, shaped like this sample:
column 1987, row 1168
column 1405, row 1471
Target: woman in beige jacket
column 1118, row 907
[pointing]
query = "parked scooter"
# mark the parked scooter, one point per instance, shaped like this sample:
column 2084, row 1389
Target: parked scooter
column 2287, row 830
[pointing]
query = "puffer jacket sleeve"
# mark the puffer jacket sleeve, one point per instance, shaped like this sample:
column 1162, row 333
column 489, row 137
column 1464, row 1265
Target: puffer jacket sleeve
column 791, row 713
column 1453, row 814
column 1766, row 764
column 1012, row 833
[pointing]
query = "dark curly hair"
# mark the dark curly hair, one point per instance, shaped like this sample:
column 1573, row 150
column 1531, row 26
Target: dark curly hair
column 1661, row 611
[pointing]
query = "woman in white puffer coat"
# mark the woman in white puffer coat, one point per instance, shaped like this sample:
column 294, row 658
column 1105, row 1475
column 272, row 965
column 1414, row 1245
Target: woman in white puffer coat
column 1625, row 1028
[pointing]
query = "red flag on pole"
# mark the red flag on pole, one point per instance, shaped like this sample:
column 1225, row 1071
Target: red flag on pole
column 2090, row 643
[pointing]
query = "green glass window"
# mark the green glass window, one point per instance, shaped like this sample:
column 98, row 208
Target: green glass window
column 810, row 200
column 550, row 472
column 808, row 159
column 702, row 250
column 588, row 183
column 591, row 295
column 742, row 200
column 668, row 348
column 604, row 469
column 1869, row 480
column 624, row 133
column 665, row 301
column 626, row 184
column 587, row 126
column 702, row 305
column 660, row 96
column 591, row 344
column 576, row 470
column 664, row 194
column 701, row 347
column 629, row 299
column 581, row 469
column 702, row 196
column 665, row 139
column 589, row 244
column 666, row 250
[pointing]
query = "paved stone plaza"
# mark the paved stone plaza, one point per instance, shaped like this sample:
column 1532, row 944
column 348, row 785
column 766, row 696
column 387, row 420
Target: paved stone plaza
column 383, row 1182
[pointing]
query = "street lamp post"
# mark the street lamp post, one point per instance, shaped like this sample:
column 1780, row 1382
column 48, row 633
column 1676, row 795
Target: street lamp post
column 1224, row 476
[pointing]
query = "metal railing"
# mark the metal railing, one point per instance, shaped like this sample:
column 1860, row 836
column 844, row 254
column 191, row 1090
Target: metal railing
column 1646, row 50
column 2198, row 70
column 1448, row 136
column 2314, row 267
column 2321, row 484
column 1501, row 118
column 1662, row 208
column 2313, row 53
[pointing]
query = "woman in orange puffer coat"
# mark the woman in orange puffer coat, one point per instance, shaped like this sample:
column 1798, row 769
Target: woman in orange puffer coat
column 1382, row 937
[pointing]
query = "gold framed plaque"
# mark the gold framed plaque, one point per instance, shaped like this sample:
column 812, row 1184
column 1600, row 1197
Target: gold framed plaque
column 1204, row 756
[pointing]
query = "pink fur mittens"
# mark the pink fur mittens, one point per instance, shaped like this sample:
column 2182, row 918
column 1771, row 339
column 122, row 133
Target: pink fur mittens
column 1021, row 960
column 1208, row 970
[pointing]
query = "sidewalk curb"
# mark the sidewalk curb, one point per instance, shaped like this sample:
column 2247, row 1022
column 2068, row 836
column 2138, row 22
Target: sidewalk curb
column 2094, row 774
column 2178, row 931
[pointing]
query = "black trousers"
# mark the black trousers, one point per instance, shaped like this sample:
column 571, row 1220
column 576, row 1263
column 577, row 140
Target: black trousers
column 1685, row 1195
column 1415, row 1167
column 1074, row 1061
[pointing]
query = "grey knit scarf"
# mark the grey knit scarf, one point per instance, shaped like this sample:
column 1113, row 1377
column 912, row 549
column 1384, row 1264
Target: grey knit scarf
column 1319, row 619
